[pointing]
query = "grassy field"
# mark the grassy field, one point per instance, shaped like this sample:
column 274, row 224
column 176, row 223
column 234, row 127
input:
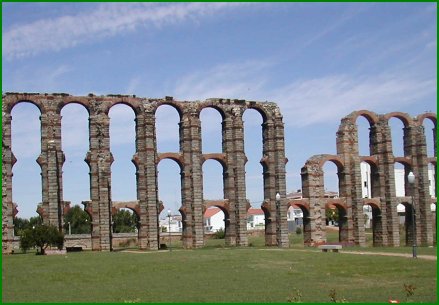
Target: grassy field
column 216, row 274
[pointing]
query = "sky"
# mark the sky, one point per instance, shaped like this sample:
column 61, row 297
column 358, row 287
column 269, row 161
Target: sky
column 317, row 61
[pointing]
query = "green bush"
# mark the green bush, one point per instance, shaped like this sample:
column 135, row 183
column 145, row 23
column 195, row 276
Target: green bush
column 41, row 236
column 220, row 234
column 298, row 230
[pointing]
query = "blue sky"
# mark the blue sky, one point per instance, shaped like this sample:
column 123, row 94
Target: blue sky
column 318, row 61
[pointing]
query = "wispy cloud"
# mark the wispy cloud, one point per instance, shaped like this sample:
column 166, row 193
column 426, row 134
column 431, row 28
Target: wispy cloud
column 108, row 20
column 331, row 97
column 229, row 80
column 308, row 101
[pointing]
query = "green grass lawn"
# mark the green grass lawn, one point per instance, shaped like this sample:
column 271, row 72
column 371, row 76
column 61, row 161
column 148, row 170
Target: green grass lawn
column 215, row 274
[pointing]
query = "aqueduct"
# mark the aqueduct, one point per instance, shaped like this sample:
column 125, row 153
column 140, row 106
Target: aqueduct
column 146, row 158
column 233, row 159
column 383, row 199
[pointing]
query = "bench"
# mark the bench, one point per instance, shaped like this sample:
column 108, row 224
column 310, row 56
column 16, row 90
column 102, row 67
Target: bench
column 333, row 248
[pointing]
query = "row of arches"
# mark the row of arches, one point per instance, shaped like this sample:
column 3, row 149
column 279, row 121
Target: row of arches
column 74, row 130
column 147, row 158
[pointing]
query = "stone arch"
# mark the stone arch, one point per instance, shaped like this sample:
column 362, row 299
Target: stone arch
column 224, row 168
column 343, row 225
column 430, row 135
column 164, row 112
column 399, row 138
column 370, row 116
column 79, row 101
column 408, row 222
column 10, row 106
column 25, row 147
column 404, row 117
column 219, row 157
column 169, row 102
column 375, row 222
column 177, row 157
column 134, row 105
column 212, row 131
column 76, row 170
column 213, row 105
column 428, row 115
column 262, row 110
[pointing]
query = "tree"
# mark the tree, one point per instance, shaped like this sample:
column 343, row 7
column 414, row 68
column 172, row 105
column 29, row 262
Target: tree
column 124, row 222
column 80, row 222
column 331, row 215
column 21, row 224
column 42, row 236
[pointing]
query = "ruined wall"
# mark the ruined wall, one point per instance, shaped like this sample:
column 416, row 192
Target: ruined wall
column 383, row 200
column 146, row 159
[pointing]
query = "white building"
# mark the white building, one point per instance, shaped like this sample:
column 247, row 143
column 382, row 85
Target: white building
column 399, row 188
column 175, row 224
column 255, row 219
column 213, row 219
column 399, row 181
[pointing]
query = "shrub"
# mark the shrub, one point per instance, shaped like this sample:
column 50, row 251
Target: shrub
column 220, row 234
column 298, row 230
column 42, row 236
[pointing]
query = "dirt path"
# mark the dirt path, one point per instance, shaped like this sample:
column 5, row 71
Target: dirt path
column 428, row 257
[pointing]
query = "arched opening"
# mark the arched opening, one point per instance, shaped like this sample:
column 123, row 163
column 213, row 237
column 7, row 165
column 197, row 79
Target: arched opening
column 434, row 221
column 336, row 223
column 125, row 227
column 169, row 192
column 373, row 225
column 298, row 223
column 213, row 190
column 432, row 179
column 430, row 136
column 125, row 221
column 331, row 180
column 76, row 178
column 401, row 172
column 405, row 211
column 336, row 215
column 397, row 133
column 211, row 131
column 77, row 221
column 122, row 147
column 363, row 127
column 26, row 179
column 215, row 228
column 167, row 121
column 253, row 147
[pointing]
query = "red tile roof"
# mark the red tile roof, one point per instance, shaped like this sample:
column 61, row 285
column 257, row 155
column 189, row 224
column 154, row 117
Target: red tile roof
column 211, row 211
column 253, row 211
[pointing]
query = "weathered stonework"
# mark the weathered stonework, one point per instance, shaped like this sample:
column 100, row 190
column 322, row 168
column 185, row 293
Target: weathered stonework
column 383, row 201
column 146, row 159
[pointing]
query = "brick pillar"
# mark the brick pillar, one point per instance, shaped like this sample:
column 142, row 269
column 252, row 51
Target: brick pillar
column 240, row 188
column 229, row 177
column 352, row 227
column 415, row 147
column 99, row 159
column 269, row 172
column 280, row 175
column 386, row 170
column 192, row 179
column 313, row 188
column 51, row 161
column 7, row 163
column 145, row 160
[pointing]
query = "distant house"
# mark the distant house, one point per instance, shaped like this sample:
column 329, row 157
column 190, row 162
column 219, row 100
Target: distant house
column 255, row 219
column 213, row 219
column 175, row 224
